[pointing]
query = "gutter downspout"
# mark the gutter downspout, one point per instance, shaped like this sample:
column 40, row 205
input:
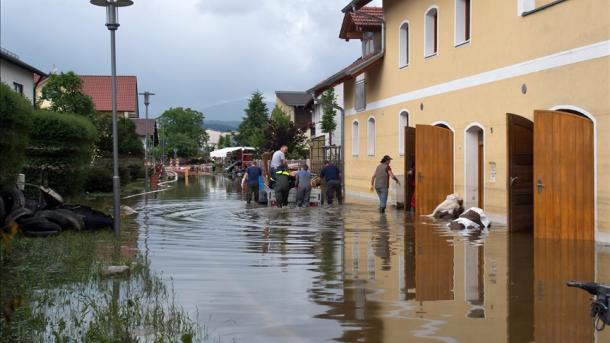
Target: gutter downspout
column 34, row 95
column 376, row 18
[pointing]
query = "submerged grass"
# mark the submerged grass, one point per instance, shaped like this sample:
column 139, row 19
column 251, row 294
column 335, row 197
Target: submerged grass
column 52, row 290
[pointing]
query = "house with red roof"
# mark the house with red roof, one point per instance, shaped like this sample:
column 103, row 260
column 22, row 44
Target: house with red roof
column 99, row 88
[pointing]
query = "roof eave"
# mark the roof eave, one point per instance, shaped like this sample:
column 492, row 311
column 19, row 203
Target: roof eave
column 355, row 3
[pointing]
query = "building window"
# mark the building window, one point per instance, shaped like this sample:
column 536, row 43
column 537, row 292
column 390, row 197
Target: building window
column 355, row 138
column 368, row 43
column 370, row 136
column 462, row 21
column 431, row 32
column 403, row 121
column 360, row 93
column 404, row 45
column 18, row 87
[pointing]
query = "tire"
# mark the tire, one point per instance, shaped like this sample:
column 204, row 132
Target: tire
column 58, row 218
column 13, row 199
column 93, row 219
column 37, row 224
column 2, row 210
column 76, row 221
column 17, row 215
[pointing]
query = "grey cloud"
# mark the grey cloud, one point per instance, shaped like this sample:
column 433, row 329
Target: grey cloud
column 227, row 7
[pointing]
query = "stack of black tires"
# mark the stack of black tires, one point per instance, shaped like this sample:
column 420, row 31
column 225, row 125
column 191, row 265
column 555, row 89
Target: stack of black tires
column 47, row 217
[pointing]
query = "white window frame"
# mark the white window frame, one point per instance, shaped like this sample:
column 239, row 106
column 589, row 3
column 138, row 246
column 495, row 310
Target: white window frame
column 403, row 42
column 431, row 52
column 355, row 138
column 401, row 130
column 371, row 130
column 360, row 82
column 459, row 20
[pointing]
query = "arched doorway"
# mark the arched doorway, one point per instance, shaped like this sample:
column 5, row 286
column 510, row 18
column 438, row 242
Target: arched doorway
column 473, row 164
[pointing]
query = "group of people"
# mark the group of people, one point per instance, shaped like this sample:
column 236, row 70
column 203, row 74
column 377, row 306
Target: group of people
column 281, row 181
column 280, row 175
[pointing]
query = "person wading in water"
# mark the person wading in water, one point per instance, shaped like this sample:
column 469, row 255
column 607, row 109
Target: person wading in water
column 381, row 181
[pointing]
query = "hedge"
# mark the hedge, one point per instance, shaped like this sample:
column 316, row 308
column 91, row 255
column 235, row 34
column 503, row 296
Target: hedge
column 15, row 124
column 61, row 147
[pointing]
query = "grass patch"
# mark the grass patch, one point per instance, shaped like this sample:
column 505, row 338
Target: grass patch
column 52, row 290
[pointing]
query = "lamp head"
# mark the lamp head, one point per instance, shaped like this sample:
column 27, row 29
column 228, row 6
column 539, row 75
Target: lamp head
column 112, row 10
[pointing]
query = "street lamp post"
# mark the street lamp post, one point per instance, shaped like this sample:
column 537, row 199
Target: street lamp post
column 147, row 95
column 112, row 23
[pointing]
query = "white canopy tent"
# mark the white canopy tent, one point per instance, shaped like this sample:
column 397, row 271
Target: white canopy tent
column 222, row 153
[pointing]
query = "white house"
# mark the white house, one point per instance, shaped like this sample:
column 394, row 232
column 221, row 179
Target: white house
column 18, row 75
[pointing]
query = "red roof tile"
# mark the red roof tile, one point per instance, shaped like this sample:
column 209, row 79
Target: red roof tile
column 141, row 126
column 99, row 88
column 355, row 23
column 364, row 20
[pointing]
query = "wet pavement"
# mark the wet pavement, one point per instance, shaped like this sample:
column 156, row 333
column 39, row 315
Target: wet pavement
column 350, row 274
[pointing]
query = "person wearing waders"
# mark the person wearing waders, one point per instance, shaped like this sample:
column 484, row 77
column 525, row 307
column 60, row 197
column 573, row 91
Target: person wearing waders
column 251, row 179
column 282, row 185
column 303, row 184
column 381, row 181
column 277, row 159
column 332, row 175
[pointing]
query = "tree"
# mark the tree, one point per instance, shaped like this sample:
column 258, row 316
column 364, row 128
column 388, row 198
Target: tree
column 250, row 131
column 129, row 143
column 221, row 142
column 64, row 91
column 328, row 123
column 281, row 131
column 184, row 131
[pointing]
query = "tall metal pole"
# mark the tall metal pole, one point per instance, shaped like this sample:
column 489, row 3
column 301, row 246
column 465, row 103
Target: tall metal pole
column 116, row 181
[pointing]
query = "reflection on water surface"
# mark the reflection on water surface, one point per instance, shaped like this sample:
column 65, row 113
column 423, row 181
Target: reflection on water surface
column 350, row 274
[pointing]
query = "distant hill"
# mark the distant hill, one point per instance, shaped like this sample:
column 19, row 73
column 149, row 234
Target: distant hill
column 229, row 111
column 221, row 125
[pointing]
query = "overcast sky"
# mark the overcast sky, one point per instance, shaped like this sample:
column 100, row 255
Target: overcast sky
column 191, row 53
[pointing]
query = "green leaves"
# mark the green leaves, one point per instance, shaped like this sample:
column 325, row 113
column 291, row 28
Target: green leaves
column 182, row 129
column 64, row 91
column 327, row 122
column 250, row 131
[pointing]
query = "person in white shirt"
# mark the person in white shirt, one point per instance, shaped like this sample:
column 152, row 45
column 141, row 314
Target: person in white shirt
column 279, row 157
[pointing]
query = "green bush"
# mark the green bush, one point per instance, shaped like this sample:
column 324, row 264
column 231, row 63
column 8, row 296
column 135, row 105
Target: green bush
column 60, row 149
column 136, row 171
column 99, row 179
column 15, row 124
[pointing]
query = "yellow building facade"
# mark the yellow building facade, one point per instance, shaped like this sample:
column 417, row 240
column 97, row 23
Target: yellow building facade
column 465, row 65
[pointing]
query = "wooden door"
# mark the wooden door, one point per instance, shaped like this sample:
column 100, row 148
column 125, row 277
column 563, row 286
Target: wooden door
column 434, row 167
column 561, row 313
column 563, row 176
column 409, row 162
column 520, row 173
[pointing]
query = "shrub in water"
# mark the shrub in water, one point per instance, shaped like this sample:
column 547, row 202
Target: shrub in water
column 15, row 124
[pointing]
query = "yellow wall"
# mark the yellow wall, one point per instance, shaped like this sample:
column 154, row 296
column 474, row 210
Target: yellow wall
column 500, row 38
column 289, row 110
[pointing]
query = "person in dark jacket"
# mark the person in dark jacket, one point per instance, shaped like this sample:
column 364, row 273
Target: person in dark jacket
column 332, row 175
column 381, row 181
column 282, row 186
column 253, row 172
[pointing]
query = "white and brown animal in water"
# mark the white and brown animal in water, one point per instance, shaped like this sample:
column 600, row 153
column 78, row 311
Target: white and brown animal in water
column 450, row 208
column 472, row 219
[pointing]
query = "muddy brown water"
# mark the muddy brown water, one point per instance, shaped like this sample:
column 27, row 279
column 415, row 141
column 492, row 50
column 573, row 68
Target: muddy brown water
column 350, row 274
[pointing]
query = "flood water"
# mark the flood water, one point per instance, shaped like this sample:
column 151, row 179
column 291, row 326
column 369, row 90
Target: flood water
column 350, row 274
